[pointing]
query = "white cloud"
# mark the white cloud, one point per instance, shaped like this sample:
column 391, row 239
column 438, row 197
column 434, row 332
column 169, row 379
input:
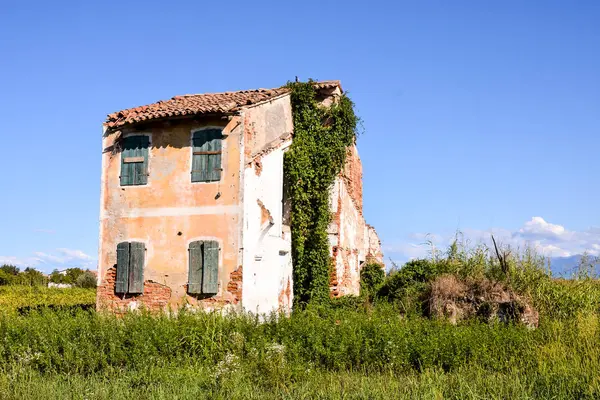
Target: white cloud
column 61, row 258
column 75, row 254
column 538, row 227
column 551, row 250
column 44, row 257
column 549, row 239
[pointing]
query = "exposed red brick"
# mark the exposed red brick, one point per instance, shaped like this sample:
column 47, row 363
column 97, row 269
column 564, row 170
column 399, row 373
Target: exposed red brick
column 154, row 298
column 235, row 284
column 285, row 294
column 352, row 175
column 334, row 279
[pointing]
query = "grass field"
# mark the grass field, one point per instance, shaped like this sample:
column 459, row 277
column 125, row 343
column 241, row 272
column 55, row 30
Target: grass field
column 381, row 348
column 14, row 298
column 319, row 353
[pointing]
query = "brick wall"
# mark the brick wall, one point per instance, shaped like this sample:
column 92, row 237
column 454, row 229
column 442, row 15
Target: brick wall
column 155, row 296
column 352, row 174
column 235, row 284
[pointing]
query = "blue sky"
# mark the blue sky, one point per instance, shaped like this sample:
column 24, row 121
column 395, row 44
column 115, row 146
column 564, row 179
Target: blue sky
column 478, row 116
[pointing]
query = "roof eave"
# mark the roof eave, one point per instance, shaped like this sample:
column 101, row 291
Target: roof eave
column 129, row 125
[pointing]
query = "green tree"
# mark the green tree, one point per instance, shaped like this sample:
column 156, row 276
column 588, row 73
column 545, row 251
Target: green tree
column 87, row 280
column 10, row 269
column 72, row 274
column 57, row 277
column 68, row 276
column 6, row 278
column 32, row 277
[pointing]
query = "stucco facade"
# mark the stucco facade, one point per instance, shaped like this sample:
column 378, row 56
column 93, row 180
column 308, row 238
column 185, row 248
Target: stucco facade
column 243, row 212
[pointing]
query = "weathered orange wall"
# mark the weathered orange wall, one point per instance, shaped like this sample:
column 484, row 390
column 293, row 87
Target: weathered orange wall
column 170, row 211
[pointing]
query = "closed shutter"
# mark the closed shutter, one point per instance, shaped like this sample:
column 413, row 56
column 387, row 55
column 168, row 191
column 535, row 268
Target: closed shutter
column 127, row 168
column 206, row 158
column 122, row 267
column 136, row 267
column 210, row 276
column 214, row 160
column 195, row 268
column 141, row 168
column 134, row 160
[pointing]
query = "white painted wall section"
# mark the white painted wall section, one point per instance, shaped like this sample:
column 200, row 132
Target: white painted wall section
column 267, row 263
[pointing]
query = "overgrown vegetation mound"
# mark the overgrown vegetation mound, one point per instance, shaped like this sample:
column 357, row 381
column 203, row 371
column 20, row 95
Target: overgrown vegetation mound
column 489, row 285
column 457, row 300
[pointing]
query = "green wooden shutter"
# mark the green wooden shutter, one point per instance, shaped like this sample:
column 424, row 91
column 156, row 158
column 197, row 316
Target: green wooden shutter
column 136, row 267
column 197, row 159
column 141, row 168
column 122, row 268
column 210, row 273
column 214, row 165
column 127, row 169
column 134, row 172
column 206, row 158
column 195, row 268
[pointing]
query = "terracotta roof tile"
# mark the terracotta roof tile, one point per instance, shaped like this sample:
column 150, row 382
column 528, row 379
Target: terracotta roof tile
column 196, row 104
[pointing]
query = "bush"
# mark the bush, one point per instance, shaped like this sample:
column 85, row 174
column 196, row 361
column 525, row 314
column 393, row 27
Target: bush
column 87, row 280
column 371, row 279
column 407, row 286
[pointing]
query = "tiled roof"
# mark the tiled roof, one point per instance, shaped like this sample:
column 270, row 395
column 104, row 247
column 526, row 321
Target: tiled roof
column 196, row 104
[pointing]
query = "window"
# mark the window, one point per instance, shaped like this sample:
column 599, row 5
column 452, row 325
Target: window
column 206, row 155
column 134, row 160
column 203, row 275
column 130, row 267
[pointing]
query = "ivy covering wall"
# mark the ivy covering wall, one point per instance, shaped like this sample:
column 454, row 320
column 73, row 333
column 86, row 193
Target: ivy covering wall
column 317, row 155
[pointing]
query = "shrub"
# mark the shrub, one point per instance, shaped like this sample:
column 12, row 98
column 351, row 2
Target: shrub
column 86, row 280
column 407, row 286
column 371, row 279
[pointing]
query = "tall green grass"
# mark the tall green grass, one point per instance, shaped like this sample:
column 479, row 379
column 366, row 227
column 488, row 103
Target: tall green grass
column 377, row 346
column 321, row 352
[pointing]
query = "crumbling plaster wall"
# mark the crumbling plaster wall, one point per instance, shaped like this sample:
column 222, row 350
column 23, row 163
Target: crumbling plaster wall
column 243, row 212
column 346, row 235
column 267, row 275
column 373, row 246
column 168, row 213
column 352, row 241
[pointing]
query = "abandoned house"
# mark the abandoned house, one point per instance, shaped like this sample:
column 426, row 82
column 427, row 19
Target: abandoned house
column 192, row 208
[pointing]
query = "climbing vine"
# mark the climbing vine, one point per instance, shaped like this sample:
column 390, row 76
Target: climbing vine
column 322, row 135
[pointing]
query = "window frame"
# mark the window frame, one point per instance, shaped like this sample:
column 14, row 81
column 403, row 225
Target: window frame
column 195, row 131
column 144, row 267
column 219, row 246
column 149, row 156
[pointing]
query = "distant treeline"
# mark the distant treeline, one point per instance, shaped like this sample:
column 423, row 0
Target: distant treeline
column 12, row 275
